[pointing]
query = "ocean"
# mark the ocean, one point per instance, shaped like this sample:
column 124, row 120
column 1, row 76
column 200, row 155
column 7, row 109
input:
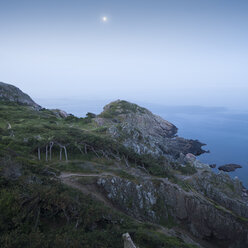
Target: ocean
column 224, row 131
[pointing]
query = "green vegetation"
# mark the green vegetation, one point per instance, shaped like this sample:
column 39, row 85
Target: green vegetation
column 225, row 210
column 36, row 210
column 87, row 180
column 44, row 136
column 155, row 239
column 184, row 185
column 188, row 169
column 242, row 219
column 125, row 175
column 223, row 184
column 121, row 107
column 230, row 186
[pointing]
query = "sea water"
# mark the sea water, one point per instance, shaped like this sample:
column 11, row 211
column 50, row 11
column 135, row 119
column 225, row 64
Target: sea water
column 224, row 131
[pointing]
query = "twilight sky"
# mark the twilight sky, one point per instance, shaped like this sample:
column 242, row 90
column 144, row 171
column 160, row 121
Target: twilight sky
column 170, row 52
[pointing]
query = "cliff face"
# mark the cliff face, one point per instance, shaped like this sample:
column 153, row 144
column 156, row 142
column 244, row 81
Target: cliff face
column 163, row 202
column 139, row 129
column 10, row 93
column 223, row 190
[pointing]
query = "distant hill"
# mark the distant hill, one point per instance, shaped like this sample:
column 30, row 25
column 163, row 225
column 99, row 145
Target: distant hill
column 10, row 93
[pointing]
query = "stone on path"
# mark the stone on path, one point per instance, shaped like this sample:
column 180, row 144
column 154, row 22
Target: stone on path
column 128, row 243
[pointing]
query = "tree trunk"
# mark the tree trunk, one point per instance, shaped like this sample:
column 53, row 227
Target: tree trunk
column 50, row 150
column 66, row 158
column 37, row 219
column 39, row 153
column 79, row 148
column 46, row 152
column 126, row 160
column 60, row 153
column 92, row 148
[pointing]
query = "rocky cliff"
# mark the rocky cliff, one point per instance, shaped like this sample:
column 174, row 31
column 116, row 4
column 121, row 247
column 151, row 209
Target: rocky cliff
column 212, row 207
column 10, row 93
column 208, row 214
column 139, row 129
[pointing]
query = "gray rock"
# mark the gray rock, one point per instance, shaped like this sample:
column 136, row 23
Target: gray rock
column 60, row 113
column 128, row 243
column 223, row 190
column 144, row 132
column 191, row 159
column 229, row 167
column 165, row 202
column 10, row 93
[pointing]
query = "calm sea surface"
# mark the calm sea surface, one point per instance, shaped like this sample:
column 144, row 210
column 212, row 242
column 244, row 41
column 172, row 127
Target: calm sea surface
column 224, row 131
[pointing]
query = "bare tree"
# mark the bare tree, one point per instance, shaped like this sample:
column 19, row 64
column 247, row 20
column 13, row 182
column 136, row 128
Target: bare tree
column 92, row 148
column 39, row 153
column 46, row 152
column 60, row 152
column 126, row 161
column 79, row 148
column 66, row 157
column 50, row 149
column 85, row 148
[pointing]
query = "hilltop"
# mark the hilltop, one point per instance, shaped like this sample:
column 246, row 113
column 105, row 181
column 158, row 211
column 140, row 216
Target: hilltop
column 83, row 182
column 10, row 93
column 138, row 128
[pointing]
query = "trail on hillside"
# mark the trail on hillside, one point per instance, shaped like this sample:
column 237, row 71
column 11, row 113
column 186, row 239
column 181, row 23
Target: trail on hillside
column 71, row 180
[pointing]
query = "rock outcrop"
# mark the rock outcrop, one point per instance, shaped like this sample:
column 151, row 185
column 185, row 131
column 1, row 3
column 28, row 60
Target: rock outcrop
column 212, row 166
column 229, row 167
column 163, row 202
column 139, row 129
column 10, row 93
column 223, row 190
column 193, row 161
column 128, row 243
column 60, row 113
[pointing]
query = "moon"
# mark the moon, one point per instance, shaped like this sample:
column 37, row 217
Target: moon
column 104, row 18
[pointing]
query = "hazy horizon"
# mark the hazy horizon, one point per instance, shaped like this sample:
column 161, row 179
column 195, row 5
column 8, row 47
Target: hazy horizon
column 163, row 52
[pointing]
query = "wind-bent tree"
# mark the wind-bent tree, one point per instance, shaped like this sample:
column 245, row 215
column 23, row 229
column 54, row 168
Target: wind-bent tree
column 46, row 152
column 60, row 152
column 38, row 153
column 50, row 149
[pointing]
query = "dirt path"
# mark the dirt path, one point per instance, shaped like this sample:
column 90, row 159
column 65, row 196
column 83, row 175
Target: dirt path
column 70, row 179
column 65, row 175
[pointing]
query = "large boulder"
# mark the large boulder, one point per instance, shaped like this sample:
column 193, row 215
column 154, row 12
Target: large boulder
column 60, row 113
column 128, row 243
column 229, row 167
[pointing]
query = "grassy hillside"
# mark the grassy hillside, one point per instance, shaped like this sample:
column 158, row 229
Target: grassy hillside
column 29, row 132
column 36, row 209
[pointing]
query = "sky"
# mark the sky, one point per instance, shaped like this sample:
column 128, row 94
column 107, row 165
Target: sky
column 167, row 52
